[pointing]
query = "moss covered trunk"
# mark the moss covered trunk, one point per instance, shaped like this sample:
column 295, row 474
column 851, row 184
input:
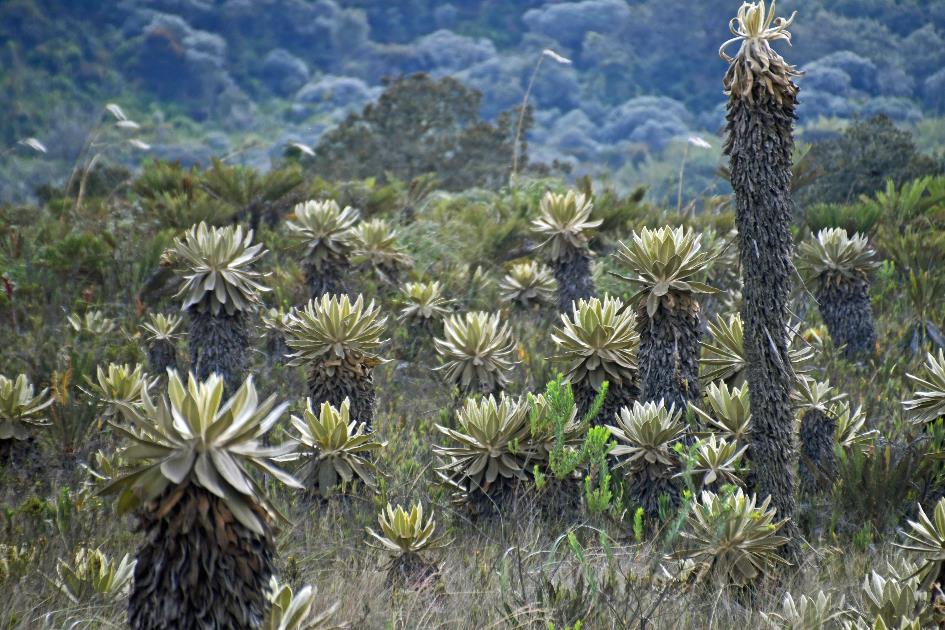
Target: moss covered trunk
column 817, row 465
column 618, row 396
column 330, row 277
column 334, row 387
column 162, row 355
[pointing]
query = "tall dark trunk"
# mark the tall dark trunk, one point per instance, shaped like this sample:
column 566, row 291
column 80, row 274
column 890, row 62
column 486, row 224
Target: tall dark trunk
column 759, row 143
column 331, row 277
column 336, row 387
column 846, row 310
column 817, row 465
column 162, row 355
column 573, row 273
column 218, row 344
column 198, row 567
column 618, row 397
column 669, row 353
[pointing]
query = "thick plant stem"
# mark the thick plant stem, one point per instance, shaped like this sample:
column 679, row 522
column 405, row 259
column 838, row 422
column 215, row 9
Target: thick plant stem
column 334, row 387
column 618, row 397
column 330, row 277
column 846, row 310
column 198, row 567
column 218, row 345
column 759, row 143
column 573, row 273
column 818, row 465
column 162, row 355
column 669, row 353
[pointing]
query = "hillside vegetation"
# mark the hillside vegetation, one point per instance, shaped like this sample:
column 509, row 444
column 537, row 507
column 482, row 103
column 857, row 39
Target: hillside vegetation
column 415, row 375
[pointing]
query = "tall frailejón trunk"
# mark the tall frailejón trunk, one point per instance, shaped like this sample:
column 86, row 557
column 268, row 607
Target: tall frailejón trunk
column 573, row 273
column 759, row 142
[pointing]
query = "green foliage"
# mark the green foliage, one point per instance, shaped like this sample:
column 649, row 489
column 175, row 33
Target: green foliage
column 421, row 125
column 854, row 218
column 862, row 159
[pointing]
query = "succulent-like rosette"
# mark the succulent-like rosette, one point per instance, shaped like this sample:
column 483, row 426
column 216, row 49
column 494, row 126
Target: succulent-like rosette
column 405, row 534
column 839, row 267
column 598, row 343
column 664, row 264
column 218, row 274
column 93, row 323
column 723, row 357
column 21, row 408
column 120, row 385
column 817, row 467
column 477, row 350
column 732, row 538
column 491, row 444
column 406, row 531
column 832, row 256
column 645, row 435
column 161, row 333
column 94, row 578
column 565, row 222
column 528, row 284
column 423, row 302
column 333, row 448
column 333, row 331
column 928, row 402
column 189, row 435
column 375, row 245
column 297, row 610
column 339, row 340
column 205, row 516
column 727, row 412
column 325, row 229
column 715, row 463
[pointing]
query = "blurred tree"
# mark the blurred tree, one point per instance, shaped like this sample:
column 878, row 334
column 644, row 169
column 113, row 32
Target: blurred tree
column 861, row 160
column 418, row 126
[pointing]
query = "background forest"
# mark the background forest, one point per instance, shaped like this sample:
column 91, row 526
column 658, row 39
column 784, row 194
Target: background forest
column 246, row 79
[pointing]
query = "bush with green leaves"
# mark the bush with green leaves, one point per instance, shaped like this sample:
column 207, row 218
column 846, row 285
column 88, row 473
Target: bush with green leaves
column 339, row 341
column 220, row 286
column 565, row 224
column 838, row 266
column 326, row 232
column 645, row 435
